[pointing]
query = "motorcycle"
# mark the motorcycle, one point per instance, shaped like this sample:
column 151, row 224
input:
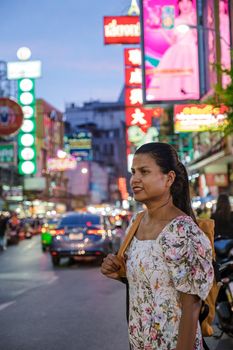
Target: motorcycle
column 224, row 303
column 13, row 236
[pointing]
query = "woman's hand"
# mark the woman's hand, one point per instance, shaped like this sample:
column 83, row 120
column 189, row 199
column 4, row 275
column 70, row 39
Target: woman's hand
column 111, row 267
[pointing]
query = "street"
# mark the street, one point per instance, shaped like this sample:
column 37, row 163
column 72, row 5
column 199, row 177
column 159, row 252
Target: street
column 69, row 307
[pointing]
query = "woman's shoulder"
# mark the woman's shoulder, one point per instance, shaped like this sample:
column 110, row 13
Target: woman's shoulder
column 183, row 227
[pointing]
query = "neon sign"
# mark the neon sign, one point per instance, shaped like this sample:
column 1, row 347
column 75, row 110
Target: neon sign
column 122, row 30
column 190, row 118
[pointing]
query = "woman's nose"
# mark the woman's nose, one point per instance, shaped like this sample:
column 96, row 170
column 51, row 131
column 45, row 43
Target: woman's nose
column 135, row 178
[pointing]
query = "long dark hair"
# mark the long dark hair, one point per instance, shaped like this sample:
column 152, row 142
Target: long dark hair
column 223, row 208
column 167, row 159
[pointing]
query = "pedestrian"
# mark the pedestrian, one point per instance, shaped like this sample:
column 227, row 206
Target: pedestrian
column 3, row 232
column 168, row 263
column 223, row 217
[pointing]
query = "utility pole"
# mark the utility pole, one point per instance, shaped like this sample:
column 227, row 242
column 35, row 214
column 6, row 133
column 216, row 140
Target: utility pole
column 217, row 41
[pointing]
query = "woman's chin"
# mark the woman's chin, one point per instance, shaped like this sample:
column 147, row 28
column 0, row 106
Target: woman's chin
column 139, row 197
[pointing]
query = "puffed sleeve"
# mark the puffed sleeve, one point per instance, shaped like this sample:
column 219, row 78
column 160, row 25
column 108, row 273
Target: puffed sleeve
column 188, row 255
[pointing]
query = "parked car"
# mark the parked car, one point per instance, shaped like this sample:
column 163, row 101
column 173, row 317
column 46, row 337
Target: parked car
column 83, row 235
column 47, row 231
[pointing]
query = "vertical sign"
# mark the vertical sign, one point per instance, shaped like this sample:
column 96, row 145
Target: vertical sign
column 170, row 50
column 224, row 23
column 27, row 133
column 225, row 41
column 142, row 124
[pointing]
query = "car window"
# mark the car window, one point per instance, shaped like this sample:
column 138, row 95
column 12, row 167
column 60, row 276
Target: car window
column 52, row 221
column 79, row 220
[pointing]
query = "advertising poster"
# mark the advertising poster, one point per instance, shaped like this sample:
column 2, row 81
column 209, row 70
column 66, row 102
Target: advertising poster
column 224, row 23
column 170, row 50
column 210, row 38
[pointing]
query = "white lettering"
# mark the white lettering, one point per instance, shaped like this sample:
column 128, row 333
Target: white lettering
column 113, row 30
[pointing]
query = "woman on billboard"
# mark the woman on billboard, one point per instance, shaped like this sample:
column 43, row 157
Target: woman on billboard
column 176, row 76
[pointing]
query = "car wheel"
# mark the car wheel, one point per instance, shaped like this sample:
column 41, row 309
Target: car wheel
column 55, row 260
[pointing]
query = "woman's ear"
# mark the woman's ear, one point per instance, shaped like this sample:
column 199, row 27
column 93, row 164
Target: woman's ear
column 171, row 177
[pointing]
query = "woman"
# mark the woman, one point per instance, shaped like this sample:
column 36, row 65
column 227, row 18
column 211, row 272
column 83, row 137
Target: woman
column 223, row 217
column 169, row 261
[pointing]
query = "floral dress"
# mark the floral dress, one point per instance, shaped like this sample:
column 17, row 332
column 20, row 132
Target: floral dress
column 179, row 260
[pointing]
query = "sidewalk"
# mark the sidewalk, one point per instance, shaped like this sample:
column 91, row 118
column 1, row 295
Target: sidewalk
column 224, row 343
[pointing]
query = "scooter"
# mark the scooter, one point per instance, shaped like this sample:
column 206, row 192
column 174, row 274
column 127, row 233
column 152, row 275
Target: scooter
column 224, row 303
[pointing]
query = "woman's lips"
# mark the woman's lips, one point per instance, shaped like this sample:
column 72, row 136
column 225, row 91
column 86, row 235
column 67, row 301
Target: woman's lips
column 137, row 189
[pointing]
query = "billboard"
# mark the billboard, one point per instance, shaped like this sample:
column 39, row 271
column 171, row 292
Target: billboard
column 79, row 145
column 121, row 30
column 225, row 40
column 194, row 118
column 27, row 69
column 170, row 50
column 224, row 24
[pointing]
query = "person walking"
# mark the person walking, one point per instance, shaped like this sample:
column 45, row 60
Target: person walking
column 223, row 217
column 3, row 232
column 168, row 263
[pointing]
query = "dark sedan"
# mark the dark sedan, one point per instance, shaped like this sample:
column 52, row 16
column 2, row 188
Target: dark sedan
column 83, row 235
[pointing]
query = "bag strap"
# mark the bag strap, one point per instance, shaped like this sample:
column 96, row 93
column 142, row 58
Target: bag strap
column 129, row 235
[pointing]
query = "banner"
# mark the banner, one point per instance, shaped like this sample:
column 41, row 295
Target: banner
column 170, row 50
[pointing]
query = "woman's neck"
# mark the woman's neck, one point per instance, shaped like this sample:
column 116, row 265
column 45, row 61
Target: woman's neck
column 161, row 209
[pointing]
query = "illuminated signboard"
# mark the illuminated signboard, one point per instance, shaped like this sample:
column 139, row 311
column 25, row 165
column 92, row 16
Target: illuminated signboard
column 7, row 154
column 191, row 118
column 123, row 187
column 225, row 40
column 11, row 116
column 79, row 145
column 170, row 53
column 133, row 57
column 61, row 164
column 27, row 69
column 122, row 30
column 133, row 76
column 142, row 124
column 133, row 97
column 27, row 133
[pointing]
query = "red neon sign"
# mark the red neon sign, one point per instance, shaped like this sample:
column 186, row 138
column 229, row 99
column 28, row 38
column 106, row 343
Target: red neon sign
column 133, row 57
column 133, row 76
column 121, row 30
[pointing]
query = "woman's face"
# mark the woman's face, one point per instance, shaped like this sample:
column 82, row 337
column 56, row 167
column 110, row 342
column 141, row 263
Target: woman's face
column 222, row 7
column 148, row 183
column 185, row 6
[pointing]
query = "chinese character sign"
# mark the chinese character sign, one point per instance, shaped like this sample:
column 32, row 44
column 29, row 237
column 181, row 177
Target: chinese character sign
column 170, row 50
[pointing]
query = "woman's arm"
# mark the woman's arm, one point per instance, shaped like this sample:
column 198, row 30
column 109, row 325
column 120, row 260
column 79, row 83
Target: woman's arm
column 191, row 305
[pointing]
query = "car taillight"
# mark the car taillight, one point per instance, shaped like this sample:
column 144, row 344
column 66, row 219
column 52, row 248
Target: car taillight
column 57, row 232
column 96, row 232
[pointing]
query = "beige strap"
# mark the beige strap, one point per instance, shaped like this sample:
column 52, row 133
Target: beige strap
column 129, row 236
